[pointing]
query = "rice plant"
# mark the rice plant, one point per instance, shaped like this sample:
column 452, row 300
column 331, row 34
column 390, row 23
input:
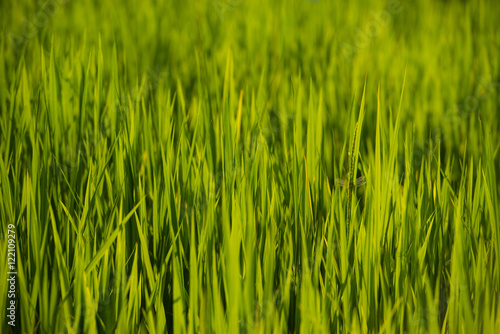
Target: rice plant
column 171, row 167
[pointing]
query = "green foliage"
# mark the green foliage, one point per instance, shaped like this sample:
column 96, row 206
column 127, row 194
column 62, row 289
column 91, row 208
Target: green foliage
column 169, row 166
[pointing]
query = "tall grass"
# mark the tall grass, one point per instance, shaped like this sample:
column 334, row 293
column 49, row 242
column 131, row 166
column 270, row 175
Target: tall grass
column 169, row 167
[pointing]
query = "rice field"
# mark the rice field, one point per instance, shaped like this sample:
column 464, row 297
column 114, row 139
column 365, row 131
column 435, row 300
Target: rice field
column 236, row 166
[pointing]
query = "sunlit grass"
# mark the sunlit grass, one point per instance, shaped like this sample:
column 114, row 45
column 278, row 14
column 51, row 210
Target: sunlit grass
column 171, row 167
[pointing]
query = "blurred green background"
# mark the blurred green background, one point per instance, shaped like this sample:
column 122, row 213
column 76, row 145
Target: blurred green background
column 336, row 45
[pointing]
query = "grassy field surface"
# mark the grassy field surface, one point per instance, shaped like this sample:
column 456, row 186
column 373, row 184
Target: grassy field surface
column 171, row 166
